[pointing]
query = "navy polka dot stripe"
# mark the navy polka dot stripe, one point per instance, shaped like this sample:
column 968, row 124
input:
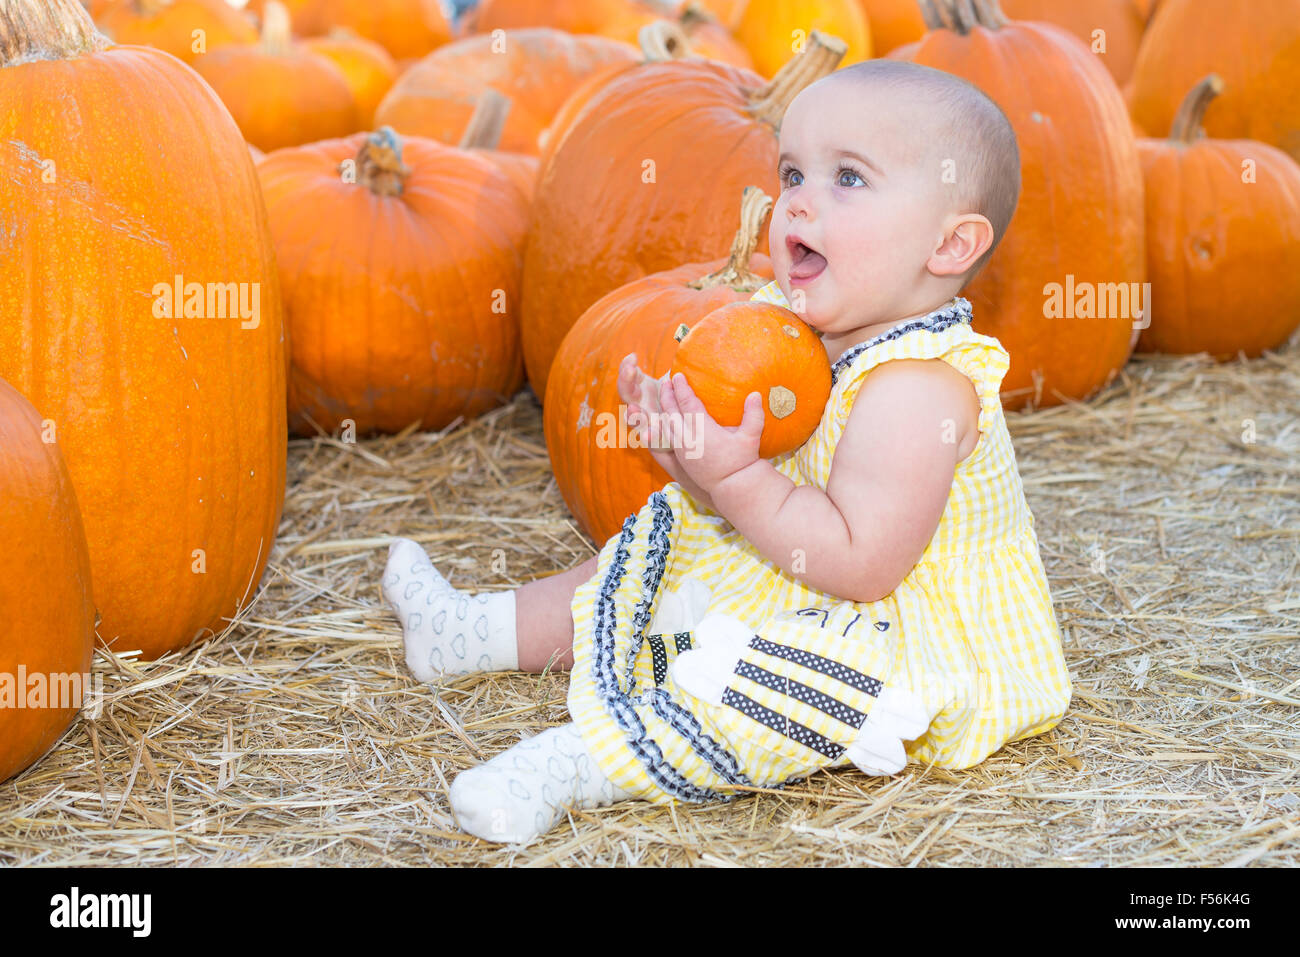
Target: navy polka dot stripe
column 852, row 678
column 801, row 692
column 782, row 725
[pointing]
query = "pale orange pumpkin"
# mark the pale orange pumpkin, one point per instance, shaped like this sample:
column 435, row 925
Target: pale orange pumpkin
column 169, row 410
column 537, row 69
column 48, row 631
column 177, row 26
column 1223, row 239
column 601, row 472
column 646, row 177
column 405, row 28
column 746, row 347
column 774, row 30
column 280, row 92
column 483, row 135
column 400, row 265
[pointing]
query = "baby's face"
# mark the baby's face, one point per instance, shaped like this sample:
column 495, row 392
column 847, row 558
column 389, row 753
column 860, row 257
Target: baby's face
column 860, row 188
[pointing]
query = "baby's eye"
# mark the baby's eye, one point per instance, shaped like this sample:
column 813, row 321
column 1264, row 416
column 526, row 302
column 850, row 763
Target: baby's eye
column 845, row 176
column 787, row 175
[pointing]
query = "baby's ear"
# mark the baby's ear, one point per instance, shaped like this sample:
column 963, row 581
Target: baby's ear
column 967, row 238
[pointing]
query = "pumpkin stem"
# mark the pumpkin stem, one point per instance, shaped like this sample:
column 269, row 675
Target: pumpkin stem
column 46, row 30
column 754, row 207
column 930, row 14
column 1187, row 122
column 149, row 8
column 276, row 34
column 989, row 14
column 819, row 57
column 483, row 132
column 379, row 163
column 694, row 16
column 964, row 16
column 663, row 40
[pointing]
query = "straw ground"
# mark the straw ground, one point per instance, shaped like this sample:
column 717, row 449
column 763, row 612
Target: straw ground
column 1168, row 515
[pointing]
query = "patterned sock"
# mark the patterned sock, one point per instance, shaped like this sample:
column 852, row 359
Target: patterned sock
column 446, row 631
column 522, row 793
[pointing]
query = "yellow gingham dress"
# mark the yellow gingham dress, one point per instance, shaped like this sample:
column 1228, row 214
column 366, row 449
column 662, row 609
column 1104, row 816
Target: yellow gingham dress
column 971, row 629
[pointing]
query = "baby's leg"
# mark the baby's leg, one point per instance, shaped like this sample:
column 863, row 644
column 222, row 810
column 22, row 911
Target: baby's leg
column 450, row 632
column 522, row 793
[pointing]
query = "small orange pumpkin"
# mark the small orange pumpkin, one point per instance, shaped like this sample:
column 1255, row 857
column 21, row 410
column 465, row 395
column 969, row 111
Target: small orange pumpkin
column 1223, row 239
column 746, row 347
column 603, row 477
column 280, row 92
column 367, row 67
column 49, row 618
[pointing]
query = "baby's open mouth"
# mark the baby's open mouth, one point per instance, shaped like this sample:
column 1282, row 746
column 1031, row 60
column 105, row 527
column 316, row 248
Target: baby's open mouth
column 805, row 262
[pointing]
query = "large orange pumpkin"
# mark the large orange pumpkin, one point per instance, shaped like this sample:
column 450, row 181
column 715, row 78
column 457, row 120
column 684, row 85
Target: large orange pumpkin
column 1223, row 239
column 648, row 176
column 1080, row 217
column 401, row 280
column 1254, row 47
column 601, row 474
column 48, row 625
column 746, row 347
column 773, row 30
column 1120, row 23
column 536, row 68
column 172, row 25
column 169, row 409
column 366, row 66
column 280, row 92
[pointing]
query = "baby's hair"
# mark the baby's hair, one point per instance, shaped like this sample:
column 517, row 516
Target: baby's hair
column 969, row 129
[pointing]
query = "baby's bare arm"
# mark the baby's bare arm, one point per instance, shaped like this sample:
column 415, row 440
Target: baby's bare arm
column 888, row 488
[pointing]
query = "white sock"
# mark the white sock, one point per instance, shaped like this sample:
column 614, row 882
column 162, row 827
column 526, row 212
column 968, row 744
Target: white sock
column 523, row 792
column 446, row 631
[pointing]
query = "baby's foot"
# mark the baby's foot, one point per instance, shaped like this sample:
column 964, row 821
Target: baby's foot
column 897, row 715
column 447, row 632
column 523, row 792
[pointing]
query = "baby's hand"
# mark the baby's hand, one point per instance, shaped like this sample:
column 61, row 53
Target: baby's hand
column 708, row 452
column 640, row 393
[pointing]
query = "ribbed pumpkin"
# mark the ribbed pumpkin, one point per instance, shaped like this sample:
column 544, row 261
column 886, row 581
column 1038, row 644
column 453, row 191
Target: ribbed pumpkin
column 773, row 30
column 1223, row 239
column 709, row 38
column 1254, row 47
column 659, row 42
column 1121, row 23
column 893, row 23
column 171, row 24
column 746, row 347
column 535, row 68
column 48, row 625
column 1080, row 215
column 602, row 477
column 401, row 280
column 280, row 92
column 645, row 179
column 366, row 66
column 172, row 423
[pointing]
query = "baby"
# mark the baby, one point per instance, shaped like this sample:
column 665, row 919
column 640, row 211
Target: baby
column 873, row 597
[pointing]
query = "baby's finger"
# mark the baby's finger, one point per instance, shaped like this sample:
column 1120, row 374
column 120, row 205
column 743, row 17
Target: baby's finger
column 753, row 419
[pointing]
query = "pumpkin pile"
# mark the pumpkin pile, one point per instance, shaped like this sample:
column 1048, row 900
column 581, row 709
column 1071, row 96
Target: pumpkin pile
column 354, row 216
